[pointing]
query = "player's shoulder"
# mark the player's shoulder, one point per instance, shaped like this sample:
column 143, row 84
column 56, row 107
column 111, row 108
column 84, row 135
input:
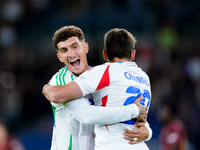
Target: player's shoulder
column 61, row 77
column 141, row 71
column 61, row 71
column 98, row 67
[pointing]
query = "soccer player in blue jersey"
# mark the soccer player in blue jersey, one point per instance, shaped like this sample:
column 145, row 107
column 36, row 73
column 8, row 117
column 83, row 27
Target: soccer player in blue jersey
column 68, row 131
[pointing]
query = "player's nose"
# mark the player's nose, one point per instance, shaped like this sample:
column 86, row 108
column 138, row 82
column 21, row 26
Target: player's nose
column 70, row 52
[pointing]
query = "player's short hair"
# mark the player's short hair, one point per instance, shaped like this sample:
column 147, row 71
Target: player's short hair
column 119, row 43
column 66, row 32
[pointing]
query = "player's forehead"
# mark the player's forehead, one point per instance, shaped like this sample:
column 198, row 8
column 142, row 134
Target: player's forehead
column 69, row 42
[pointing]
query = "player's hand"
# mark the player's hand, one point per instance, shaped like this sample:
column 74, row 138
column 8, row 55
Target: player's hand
column 44, row 90
column 138, row 135
column 142, row 110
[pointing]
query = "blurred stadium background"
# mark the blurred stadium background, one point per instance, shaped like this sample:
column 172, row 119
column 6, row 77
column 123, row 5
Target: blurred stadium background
column 168, row 49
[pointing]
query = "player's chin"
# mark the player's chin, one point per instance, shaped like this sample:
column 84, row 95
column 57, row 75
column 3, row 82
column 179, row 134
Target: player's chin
column 77, row 70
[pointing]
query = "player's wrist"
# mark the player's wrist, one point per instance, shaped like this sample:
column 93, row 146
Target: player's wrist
column 135, row 110
column 150, row 133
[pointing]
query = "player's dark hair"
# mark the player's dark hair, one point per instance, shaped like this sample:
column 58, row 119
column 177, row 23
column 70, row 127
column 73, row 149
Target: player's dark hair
column 66, row 32
column 119, row 43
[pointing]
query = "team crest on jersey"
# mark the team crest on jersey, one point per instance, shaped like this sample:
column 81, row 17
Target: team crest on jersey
column 81, row 77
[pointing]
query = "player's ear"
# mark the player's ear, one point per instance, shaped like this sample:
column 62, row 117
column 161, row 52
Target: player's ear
column 133, row 55
column 105, row 55
column 86, row 47
column 59, row 57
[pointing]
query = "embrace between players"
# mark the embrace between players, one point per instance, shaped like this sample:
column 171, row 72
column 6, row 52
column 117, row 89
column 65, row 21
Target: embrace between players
column 98, row 108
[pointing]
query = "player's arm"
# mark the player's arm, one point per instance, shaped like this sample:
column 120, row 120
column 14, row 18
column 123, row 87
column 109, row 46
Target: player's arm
column 60, row 94
column 90, row 114
column 143, row 133
column 71, row 90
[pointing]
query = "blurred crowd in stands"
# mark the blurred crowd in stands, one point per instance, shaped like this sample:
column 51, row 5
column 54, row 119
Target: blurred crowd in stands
column 168, row 49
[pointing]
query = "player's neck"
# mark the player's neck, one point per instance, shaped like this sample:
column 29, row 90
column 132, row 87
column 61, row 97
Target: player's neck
column 119, row 60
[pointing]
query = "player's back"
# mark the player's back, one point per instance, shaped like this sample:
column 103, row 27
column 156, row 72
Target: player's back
column 127, row 82
column 121, row 81
column 117, row 84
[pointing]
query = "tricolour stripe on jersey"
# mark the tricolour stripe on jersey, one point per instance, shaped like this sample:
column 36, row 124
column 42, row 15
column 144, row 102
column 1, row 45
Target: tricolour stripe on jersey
column 70, row 142
column 64, row 76
column 60, row 77
column 57, row 76
column 105, row 80
column 60, row 80
column 72, row 77
column 54, row 109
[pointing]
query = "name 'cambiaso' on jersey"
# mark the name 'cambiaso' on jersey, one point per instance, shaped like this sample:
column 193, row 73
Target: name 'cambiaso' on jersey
column 115, row 84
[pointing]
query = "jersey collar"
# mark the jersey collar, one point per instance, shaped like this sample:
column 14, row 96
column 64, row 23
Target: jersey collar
column 74, row 73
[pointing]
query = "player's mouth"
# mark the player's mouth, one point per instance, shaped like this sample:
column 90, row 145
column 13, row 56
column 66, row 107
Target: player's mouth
column 75, row 63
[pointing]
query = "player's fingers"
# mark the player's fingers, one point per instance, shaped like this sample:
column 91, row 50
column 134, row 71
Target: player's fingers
column 132, row 133
column 131, row 137
column 129, row 132
column 145, row 113
column 138, row 124
column 137, row 100
column 146, row 108
column 134, row 142
column 143, row 118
